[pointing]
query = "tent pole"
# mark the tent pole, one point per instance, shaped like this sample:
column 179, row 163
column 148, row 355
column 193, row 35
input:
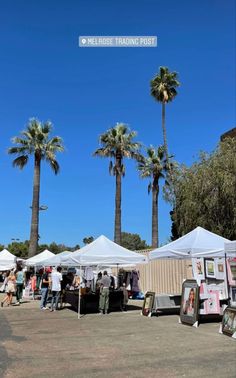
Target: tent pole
column 227, row 277
column 79, row 296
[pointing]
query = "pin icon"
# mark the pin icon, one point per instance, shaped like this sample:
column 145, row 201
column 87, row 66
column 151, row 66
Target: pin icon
column 83, row 41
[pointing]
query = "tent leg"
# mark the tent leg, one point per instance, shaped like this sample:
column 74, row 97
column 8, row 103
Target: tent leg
column 79, row 296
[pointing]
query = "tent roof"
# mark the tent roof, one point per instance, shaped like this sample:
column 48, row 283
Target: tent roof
column 197, row 243
column 103, row 251
column 38, row 259
column 56, row 259
column 7, row 260
column 7, row 256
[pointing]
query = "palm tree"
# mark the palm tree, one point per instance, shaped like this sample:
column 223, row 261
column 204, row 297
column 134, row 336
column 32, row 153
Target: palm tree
column 117, row 144
column 163, row 89
column 35, row 141
column 155, row 167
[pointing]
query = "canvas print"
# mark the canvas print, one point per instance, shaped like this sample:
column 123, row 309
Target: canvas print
column 229, row 321
column 233, row 296
column 198, row 268
column 220, row 268
column 210, row 268
column 231, row 269
column 189, row 302
column 213, row 302
column 148, row 303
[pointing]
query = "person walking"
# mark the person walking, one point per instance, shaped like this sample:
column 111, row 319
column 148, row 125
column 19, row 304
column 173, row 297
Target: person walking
column 44, row 289
column 56, row 278
column 19, row 284
column 104, row 293
column 10, row 288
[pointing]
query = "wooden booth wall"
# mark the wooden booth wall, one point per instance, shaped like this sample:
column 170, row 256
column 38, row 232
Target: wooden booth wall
column 164, row 276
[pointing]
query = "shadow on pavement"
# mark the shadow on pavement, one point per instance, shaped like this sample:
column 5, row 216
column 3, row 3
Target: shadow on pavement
column 6, row 334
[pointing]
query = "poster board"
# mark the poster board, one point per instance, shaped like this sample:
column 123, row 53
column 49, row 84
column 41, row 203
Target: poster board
column 229, row 321
column 189, row 302
column 148, row 303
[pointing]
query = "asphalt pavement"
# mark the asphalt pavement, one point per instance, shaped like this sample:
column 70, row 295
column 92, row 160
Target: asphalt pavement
column 36, row 343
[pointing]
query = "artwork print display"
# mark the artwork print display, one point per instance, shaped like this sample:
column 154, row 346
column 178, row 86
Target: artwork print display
column 189, row 302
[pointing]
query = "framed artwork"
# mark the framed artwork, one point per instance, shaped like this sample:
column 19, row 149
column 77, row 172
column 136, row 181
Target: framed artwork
column 231, row 269
column 210, row 268
column 233, row 296
column 198, row 268
column 189, row 302
column 220, row 268
column 148, row 303
column 213, row 302
column 221, row 287
column 229, row 321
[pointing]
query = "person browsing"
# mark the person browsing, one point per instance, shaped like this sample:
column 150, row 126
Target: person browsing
column 104, row 293
column 56, row 278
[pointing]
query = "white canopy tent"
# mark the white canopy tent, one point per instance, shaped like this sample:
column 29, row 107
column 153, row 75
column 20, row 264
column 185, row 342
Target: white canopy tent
column 56, row 259
column 103, row 252
column 38, row 260
column 197, row 243
column 7, row 260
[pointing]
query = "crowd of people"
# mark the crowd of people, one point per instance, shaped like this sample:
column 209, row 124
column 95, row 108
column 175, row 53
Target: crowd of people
column 49, row 283
column 15, row 280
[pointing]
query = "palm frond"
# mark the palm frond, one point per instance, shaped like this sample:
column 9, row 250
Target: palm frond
column 164, row 84
column 20, row 161
column 55, row 166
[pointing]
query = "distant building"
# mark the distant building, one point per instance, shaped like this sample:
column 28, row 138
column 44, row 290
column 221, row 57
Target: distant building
column 229, row 134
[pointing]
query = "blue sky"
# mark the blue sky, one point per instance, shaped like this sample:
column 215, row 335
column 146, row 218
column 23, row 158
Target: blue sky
column 84, row 92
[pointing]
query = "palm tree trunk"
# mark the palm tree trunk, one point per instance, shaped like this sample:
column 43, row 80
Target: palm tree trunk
column 33, row 246
column 117, row 231
column 155, row 192
column 164, row 129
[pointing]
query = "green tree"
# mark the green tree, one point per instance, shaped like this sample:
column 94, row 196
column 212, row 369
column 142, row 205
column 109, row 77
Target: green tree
column 35, row 141
column 1, row 247
column 88, row 240
column 117, row 144
column 163, row 89
column 154, row 167
column 19, row 249
column 204, row 194
column 133, row 241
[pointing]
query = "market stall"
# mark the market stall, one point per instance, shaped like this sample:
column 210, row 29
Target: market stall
column 102, row 252
column 34, row 273
column 38, row 260
column 210, row 285
column 56, row 260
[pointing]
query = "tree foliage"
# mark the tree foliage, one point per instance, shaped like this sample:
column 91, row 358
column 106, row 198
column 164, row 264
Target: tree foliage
column 154, row 167
column 163, row 89
column 35, row 141
column 205, row 194
column 133, row 241
column 88, row 239
column 20, row 249
column 117, row 144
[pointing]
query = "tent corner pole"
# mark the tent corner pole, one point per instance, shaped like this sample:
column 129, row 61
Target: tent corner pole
column 79, row 296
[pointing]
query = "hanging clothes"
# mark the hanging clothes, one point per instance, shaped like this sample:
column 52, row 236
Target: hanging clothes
column 88, row 273
column 134, row 281
column 121, row 278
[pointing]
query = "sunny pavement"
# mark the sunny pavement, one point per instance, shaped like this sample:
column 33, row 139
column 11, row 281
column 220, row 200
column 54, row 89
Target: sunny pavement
column 36, row 343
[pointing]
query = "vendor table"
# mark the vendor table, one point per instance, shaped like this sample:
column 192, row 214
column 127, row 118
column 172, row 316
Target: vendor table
column 90, row 302
column 166, row 303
